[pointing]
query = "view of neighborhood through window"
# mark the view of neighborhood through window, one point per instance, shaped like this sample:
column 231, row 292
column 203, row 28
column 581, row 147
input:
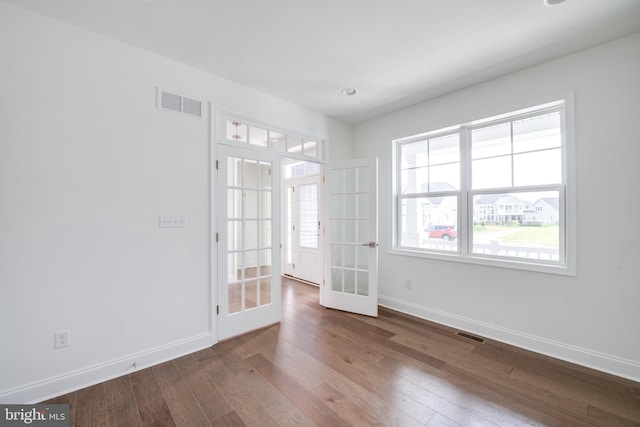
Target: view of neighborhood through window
column 502, row 178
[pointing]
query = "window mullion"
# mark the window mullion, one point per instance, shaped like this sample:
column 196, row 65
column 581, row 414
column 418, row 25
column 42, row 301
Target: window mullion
column 428, row 166
column 398, row 206
column 563, row 223
column 464, row 216
column 513, row 169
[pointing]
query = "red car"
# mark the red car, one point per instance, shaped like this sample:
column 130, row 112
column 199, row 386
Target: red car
column 445, row 232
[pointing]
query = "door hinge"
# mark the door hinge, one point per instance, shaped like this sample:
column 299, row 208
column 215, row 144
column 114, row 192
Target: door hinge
column 294, row 266
column 217, row 237
column 269, row 171
column 322, row 178
column 217, row 309
column 216, row 165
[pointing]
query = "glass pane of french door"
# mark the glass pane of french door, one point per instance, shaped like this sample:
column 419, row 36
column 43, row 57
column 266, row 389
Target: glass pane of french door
column 353, row 237
column 251, row 278
column 249, row 239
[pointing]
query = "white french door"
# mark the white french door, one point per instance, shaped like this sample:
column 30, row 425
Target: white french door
column 351, row 272
column 248, row 240
column 303, row 240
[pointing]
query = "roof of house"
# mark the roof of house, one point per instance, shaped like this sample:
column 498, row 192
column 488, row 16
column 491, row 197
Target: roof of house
column 554, row 202
column 488, row 199
column 499, row 199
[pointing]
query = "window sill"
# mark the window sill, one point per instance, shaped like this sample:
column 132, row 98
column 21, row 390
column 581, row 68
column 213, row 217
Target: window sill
column 558, row 269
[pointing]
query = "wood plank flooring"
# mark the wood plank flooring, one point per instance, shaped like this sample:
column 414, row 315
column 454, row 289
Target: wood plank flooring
column 328, row 368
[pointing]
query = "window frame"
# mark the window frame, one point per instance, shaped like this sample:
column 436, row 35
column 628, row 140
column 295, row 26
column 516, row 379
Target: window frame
column 566, row 193
column 426, row 194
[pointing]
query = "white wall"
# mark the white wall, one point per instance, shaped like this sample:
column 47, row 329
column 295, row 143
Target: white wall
column 86, row 165
column 592, row 318
column 341, row 147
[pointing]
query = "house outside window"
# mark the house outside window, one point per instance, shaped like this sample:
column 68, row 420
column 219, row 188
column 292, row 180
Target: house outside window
column 499, row 185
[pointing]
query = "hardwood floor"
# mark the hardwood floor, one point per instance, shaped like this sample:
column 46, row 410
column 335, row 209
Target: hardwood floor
column 328, row 368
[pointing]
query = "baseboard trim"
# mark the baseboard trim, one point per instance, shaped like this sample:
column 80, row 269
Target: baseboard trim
column 75, row 380
column 617, row 366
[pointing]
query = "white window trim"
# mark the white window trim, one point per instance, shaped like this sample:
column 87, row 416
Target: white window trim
column 568, row 214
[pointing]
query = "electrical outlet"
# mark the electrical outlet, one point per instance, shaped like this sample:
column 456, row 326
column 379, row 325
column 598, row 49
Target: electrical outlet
column 62, row 339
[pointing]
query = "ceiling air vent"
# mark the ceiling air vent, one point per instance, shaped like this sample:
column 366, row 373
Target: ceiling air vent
column 179, row 104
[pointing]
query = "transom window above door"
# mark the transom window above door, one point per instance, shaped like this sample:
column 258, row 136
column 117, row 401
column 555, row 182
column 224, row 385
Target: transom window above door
column 235, row 130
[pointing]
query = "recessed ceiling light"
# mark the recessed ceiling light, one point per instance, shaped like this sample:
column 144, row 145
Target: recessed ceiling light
column 349, row 91
column 553, row 2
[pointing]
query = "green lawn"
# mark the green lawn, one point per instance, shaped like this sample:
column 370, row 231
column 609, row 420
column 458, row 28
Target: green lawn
column 547, row 235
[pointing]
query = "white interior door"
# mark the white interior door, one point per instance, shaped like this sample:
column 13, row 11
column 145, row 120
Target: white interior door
column 351, row 273
column 303, row 240
column 248, row 240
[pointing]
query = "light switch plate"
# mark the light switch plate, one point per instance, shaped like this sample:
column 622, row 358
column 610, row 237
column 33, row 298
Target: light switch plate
column 173, row 221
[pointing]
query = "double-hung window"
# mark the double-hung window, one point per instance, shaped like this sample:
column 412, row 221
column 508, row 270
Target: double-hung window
column 429, row 192
column 492, row 191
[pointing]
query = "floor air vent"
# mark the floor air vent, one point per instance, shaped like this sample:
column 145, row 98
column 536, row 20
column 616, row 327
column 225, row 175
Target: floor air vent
column 471, row 337
column 179, row 104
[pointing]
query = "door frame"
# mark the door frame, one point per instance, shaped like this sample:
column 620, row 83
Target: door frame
column 286, row 184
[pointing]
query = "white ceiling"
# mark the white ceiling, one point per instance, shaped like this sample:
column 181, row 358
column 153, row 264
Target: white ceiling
column 396, row 53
